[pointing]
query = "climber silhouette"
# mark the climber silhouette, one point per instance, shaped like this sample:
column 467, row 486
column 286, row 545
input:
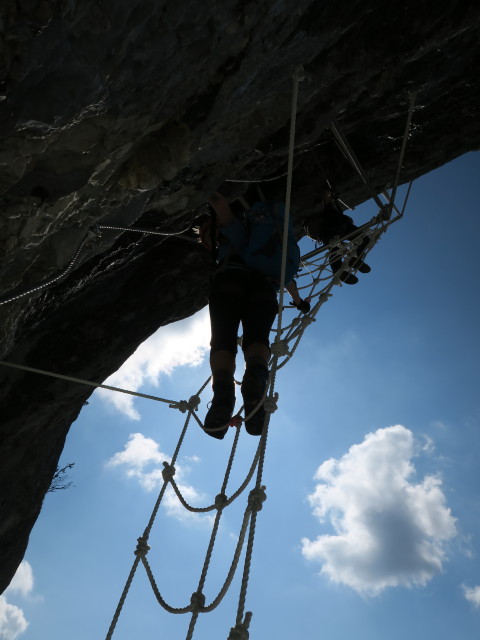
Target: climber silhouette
column 331, row 222
column 243, row 289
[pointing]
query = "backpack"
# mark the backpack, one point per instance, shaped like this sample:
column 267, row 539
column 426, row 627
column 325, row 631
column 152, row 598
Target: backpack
column 264, row 250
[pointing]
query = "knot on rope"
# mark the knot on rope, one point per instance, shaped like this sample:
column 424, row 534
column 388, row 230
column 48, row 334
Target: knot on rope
column 193, row 403
column 240, row 631
column 308, row 320
column 220, row 500
column 142, row 548
column 270, row 404
column 324, row 297
column 280, row 348
column 168, row 472
column 256, row 498
column 197, row 601
column 296, row 321
column 181, row 405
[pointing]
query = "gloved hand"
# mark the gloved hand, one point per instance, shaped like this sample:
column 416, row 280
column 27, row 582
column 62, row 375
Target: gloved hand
column 303, row 306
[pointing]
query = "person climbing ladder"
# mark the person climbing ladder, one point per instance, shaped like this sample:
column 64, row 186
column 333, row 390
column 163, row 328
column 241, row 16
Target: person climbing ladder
column 244, row 289
column 331, row 222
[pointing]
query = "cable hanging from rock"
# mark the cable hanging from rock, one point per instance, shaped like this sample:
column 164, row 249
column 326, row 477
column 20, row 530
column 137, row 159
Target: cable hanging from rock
column 92, row 233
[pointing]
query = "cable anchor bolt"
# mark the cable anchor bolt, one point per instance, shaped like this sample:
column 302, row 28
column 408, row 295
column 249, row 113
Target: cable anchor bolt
column 95, row 231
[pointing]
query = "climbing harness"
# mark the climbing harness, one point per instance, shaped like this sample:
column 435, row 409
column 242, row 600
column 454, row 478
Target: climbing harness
column 319, row 280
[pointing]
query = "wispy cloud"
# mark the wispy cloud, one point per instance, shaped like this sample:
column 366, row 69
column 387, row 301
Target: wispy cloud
column 180, row 344
column 389, row 530
column 438, row 424
column 143, row 459
column 12, row 619
column 472, row 594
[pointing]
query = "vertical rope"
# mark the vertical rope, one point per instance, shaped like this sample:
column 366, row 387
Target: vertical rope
column 402, row 152
column 297, row 76
column 251, row 532
column 121, row 602
column 213, row 536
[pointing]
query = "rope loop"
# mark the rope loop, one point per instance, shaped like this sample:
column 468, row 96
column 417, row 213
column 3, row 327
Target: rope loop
column 168, row 472
column 197, row 601
column 256, row 498
column 270, row 404
column 220, row 500
column 142, row 548
column 193, row 402
column 280, row 348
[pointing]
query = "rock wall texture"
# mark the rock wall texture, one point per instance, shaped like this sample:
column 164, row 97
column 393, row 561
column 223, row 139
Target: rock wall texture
column 129, row 113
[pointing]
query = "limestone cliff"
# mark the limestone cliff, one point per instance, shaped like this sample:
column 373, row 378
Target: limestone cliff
column 129, row 113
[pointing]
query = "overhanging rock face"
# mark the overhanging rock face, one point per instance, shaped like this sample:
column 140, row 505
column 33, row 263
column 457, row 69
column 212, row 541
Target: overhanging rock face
column 130, row 113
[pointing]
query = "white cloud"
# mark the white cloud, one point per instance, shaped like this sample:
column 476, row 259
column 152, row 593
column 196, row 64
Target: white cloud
column 389, row 530
column 22, row 581
column 179, row 344
column 12, row 618
column 143, row 460
column 472, row 594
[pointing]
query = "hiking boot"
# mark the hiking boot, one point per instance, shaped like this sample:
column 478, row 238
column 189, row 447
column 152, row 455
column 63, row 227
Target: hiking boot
column 254, row 384
column 221, row 408
column 337, row 264
column 364, row 268
column 358, row 263
column 348, row 278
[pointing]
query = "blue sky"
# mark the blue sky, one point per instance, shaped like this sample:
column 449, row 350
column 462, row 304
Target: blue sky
column 372, row 523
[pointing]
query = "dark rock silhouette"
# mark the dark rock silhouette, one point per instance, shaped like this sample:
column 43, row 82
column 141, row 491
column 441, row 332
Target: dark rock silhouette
column 131, row 113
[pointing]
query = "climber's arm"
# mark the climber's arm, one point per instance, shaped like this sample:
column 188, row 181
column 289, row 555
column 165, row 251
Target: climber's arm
column 302, row 305
column 291, row 287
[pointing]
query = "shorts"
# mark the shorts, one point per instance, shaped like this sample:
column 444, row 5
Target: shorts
column 240, row 295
